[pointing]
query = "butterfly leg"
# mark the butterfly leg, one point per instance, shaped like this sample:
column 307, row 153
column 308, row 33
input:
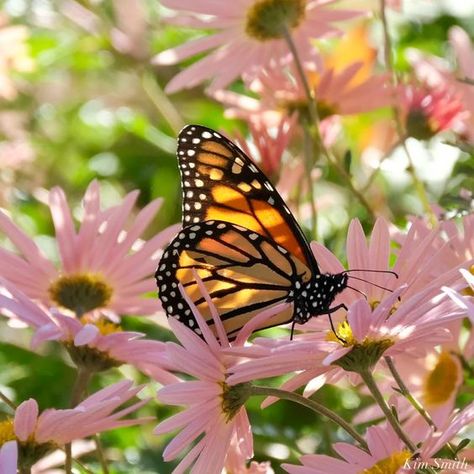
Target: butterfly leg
column 332, row 310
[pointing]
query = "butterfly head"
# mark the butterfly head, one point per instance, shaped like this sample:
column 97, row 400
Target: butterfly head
column 316, row 296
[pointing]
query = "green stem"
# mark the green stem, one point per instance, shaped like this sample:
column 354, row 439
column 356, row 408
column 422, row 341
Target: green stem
column 406, row 393
column 308, row 153
column 7, row 401
column 313, row 142
column 100, row 452
column 418, row 184
column 313, row 405
column 80, row 386
column 162, row 103
column 368, row 379
column 317, row 140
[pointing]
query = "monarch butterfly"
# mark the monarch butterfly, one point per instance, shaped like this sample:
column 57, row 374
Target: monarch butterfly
column 242, row 241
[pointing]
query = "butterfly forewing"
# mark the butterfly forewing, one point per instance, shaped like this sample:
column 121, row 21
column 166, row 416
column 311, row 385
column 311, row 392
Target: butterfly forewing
column 221, row 183
column 243, row 272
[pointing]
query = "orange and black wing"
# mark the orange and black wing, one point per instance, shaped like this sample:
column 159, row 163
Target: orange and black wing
column 243, row 272
column 220, row 182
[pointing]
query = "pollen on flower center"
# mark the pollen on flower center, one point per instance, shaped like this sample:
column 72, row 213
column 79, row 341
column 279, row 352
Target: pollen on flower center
column 7, row 432
column 105, row 327
column 268, row 19
column 80, row 292
column 440, row 382
column 344, row 332
column 389, row 465
column 233, row 398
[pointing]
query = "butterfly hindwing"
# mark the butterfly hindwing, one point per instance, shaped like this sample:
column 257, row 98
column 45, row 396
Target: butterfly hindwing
column 221, row 183
column 243, row 272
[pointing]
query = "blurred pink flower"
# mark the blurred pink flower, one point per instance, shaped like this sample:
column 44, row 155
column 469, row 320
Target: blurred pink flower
column 270, row 144
column 337, row 92
column 464, row 51
column 236, row 461
column 94, row 343
column 213, row 408
column 37, row 434
column 250, row 36
column 430, row 110
column 103, row 265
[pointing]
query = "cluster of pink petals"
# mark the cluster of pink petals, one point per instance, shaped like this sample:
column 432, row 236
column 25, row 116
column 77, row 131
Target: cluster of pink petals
column 97, row 413
column 101, row 246
column 424, row 259
column 207, row 363
column 270, row 144
column 234, row 51
column 123, row 347
column 466, row 303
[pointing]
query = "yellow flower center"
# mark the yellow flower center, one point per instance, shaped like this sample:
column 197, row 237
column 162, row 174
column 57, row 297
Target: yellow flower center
column 90, row 357
column 440, row 383
column 105, row 327
column 80, row 292
column 344, row 331
column 389, row 465
column 268, row 19
column 7, row 433
column 363, row 354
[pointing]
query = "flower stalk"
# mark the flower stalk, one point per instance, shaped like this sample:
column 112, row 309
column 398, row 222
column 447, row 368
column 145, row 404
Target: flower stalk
column 419, row 187
column 312, row 405
column 403, row 390
column 83, row 377
column 368, row 379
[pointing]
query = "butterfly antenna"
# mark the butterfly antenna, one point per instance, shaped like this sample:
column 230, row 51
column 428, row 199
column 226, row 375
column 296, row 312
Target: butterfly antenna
column 358, row 291
column 388, row 272
column 371, row 283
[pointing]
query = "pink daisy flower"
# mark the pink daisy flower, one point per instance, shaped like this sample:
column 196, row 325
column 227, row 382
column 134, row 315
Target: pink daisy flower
column 338, row 92
column 386, row 451
column 250, row 36
column 214, row 410
column 428, row 111
column 93, row 343
column 103, row 265
column 37, row 434
column 438, row 74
